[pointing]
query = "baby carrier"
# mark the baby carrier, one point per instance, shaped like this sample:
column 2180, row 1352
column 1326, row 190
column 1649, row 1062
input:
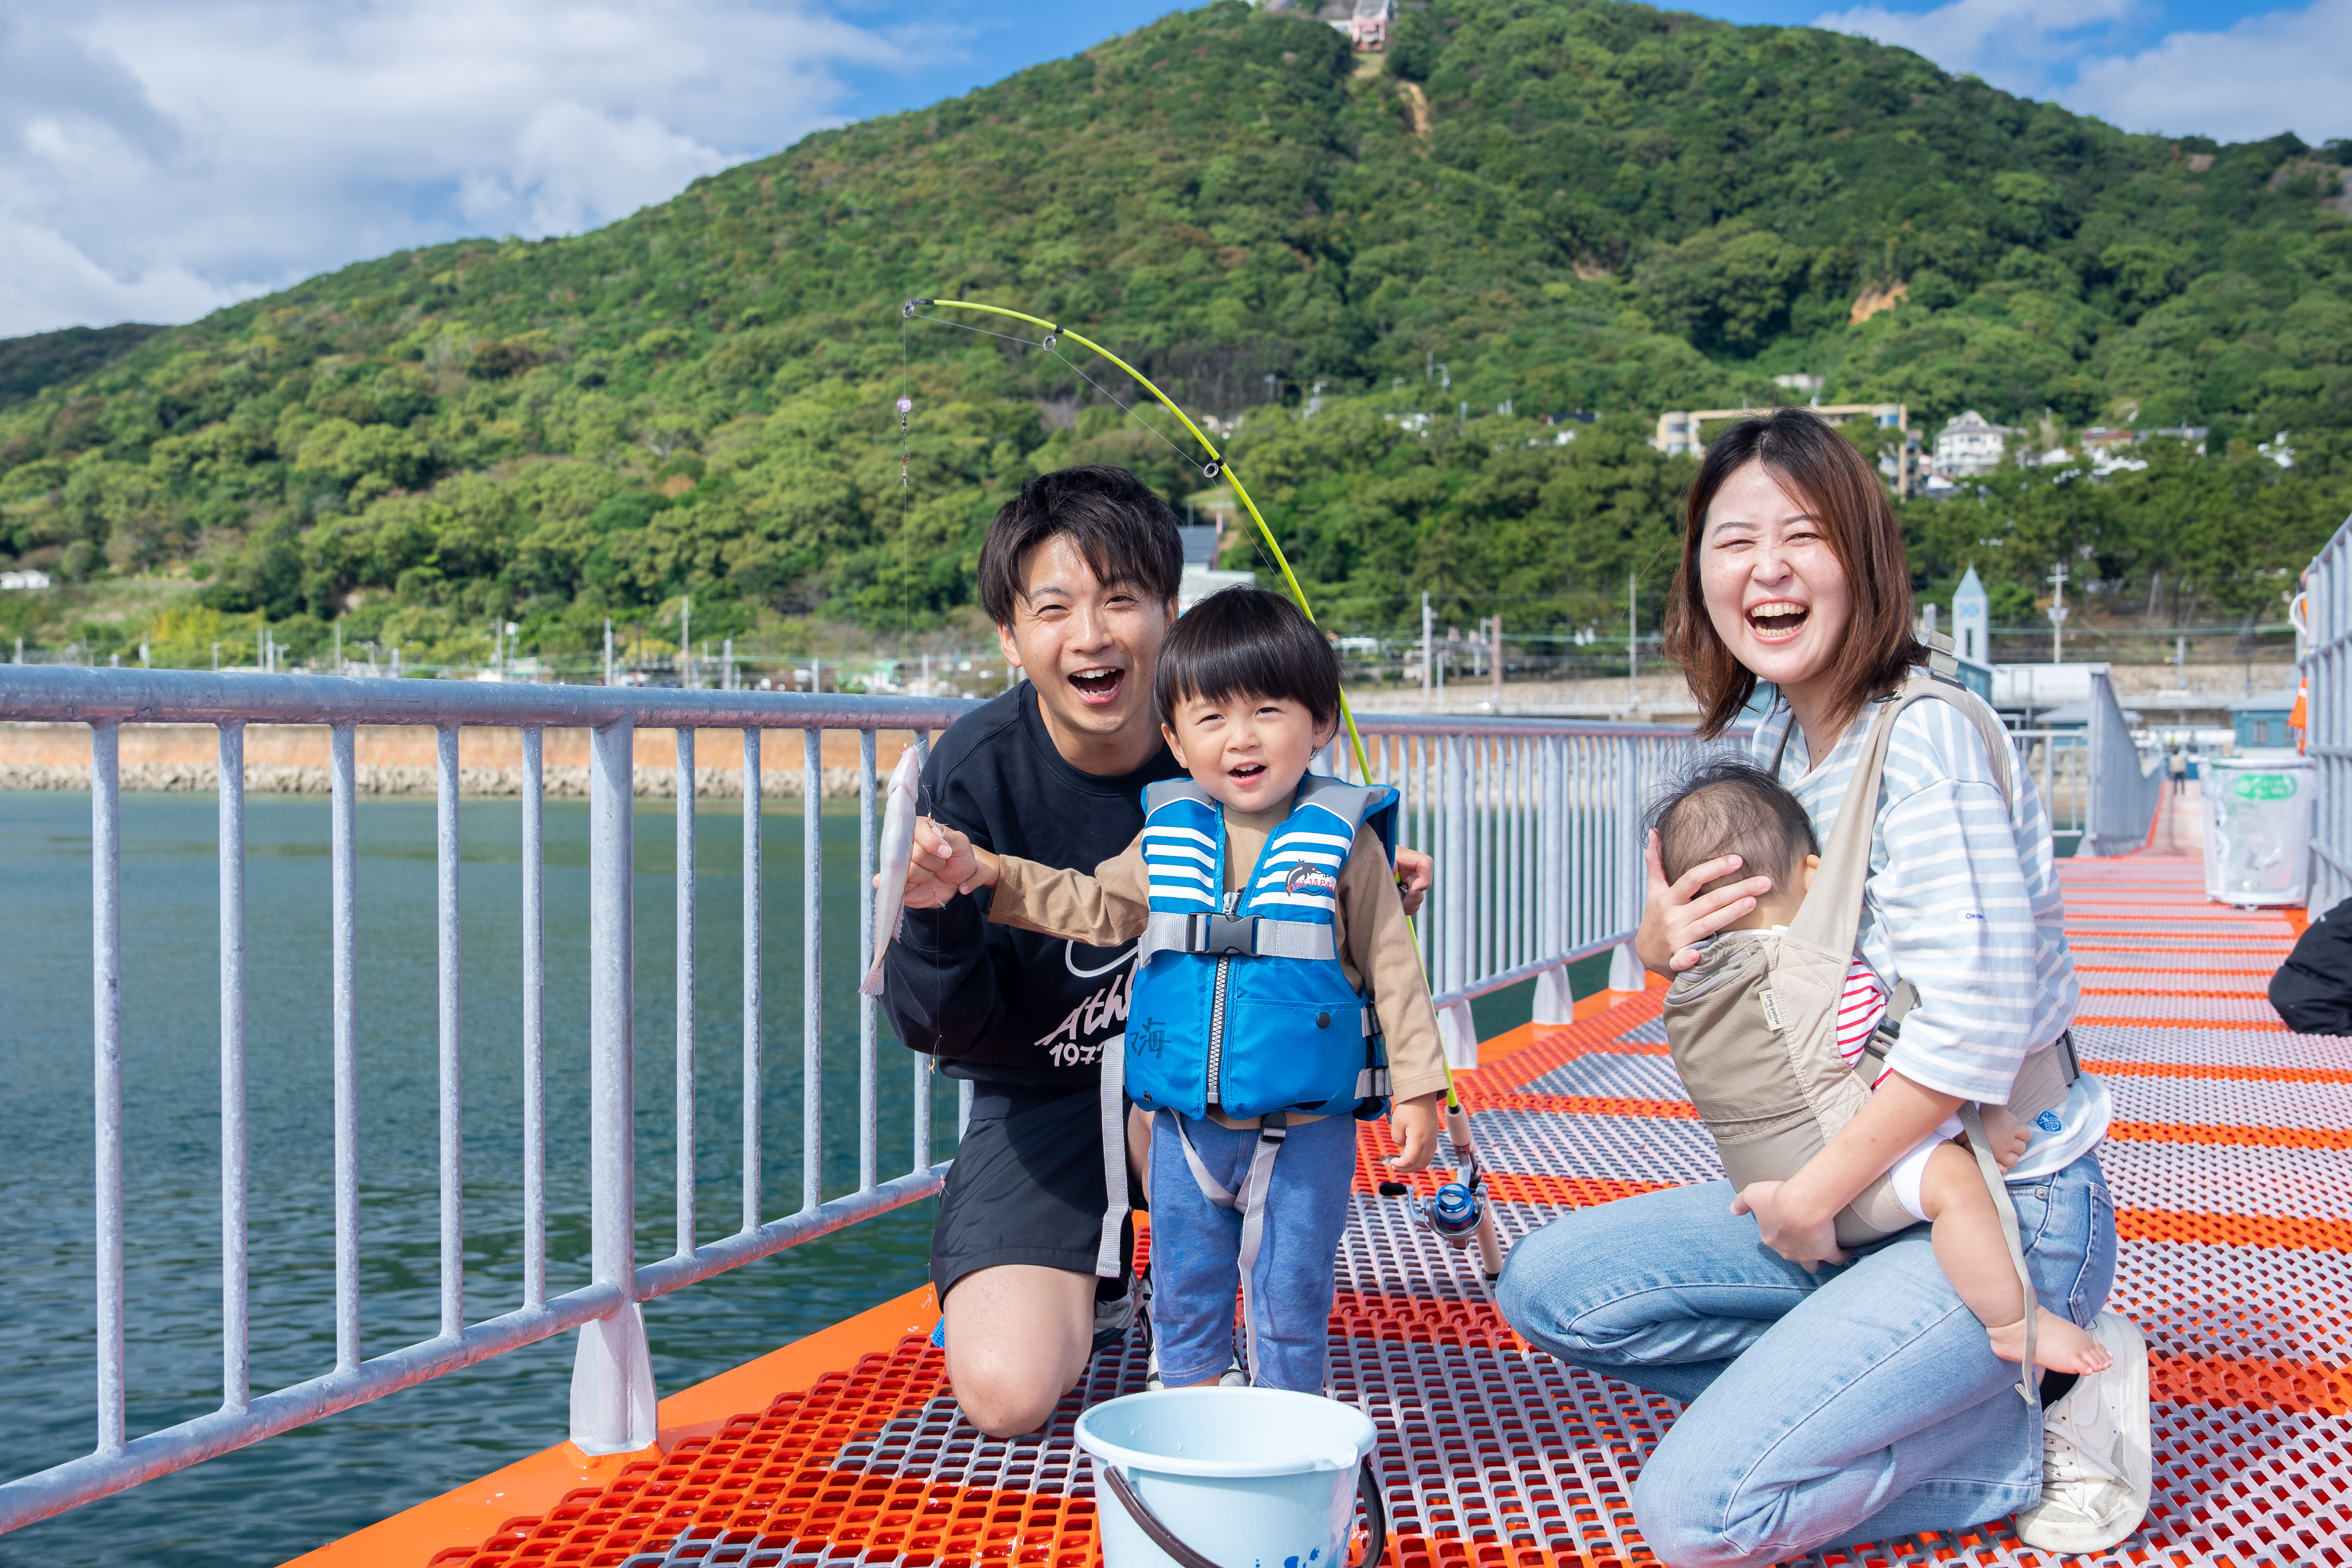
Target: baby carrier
column 1752, row 1025
column 1240, row 1002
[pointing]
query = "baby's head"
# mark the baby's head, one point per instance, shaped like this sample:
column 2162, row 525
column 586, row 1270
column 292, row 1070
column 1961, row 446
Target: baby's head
column 1733, row 807
column 1248, row 692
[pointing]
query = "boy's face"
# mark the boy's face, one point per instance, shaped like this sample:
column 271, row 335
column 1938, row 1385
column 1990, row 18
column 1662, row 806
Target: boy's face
column 1248, row 751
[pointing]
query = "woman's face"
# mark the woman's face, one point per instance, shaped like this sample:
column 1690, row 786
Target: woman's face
column 1773, row 587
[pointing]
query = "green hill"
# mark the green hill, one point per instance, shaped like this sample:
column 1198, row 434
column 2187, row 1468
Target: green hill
column 1557, row 205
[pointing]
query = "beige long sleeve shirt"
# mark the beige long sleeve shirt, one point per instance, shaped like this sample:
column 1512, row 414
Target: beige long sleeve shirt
column 1374, row 942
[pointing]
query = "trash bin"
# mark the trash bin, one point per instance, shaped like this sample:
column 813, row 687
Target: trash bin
column 2258, row 828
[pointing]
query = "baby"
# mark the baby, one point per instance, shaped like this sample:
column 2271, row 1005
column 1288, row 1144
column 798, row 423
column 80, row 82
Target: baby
column 1278, row 996
column 1734, row 808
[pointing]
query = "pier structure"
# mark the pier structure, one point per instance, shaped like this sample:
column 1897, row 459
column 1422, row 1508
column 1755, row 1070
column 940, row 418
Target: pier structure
column 2229, row 1162
column 2228, row 1166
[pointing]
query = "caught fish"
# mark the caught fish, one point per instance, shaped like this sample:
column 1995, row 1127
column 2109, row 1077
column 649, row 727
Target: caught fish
column 897, row 843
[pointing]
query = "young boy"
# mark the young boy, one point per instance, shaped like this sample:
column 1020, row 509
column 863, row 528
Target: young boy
column 1735, row 808
column 1275, row 963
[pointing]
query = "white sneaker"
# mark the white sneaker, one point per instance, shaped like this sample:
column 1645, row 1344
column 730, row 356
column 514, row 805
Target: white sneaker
column 2095, row 1451
column 1232, row 1377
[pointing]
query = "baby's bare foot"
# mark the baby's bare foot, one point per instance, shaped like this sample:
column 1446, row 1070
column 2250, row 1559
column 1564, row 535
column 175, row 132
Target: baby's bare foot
column 2058, row 1345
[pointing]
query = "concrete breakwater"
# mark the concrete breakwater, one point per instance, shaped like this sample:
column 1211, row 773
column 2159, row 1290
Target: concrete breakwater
column 295, row 759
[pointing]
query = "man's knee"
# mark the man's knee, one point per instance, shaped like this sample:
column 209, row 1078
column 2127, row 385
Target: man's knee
column 1534, row 1294
column 1017, row 1338
column 1680, row 1512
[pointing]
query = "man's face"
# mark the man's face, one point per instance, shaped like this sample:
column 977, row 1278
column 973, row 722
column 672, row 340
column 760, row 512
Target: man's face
column 1088, row 646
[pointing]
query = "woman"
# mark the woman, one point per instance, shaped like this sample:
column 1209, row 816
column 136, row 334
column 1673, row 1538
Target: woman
column 1834, row 1400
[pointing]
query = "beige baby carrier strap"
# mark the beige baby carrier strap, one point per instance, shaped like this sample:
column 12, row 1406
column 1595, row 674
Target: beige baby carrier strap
column 1753, row 1026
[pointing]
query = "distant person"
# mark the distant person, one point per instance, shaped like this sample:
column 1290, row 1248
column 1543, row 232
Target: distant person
column 1831, row 1397
column 1030, row 1254
column 1256, row 1044
column 2179, row 766
column 2311, row 991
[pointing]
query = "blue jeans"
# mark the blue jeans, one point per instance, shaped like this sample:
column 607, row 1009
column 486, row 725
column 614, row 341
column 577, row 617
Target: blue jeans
column 1853, row 1405
column 1196, row 1250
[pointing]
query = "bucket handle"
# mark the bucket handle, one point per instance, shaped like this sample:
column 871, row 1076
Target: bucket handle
column 1368, row 1489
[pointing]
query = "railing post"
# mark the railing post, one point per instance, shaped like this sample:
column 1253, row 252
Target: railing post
column 1555, row 1000
column 105, row 969
column 236, row 1338
column 1455, row 1026
column 612, row 1371
column 1628, row 859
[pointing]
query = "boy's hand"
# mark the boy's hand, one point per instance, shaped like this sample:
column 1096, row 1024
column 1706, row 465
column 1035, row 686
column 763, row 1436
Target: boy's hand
column 1416, row 873
column 2007, row 1135
column 1414, row 1124
column 943, row 863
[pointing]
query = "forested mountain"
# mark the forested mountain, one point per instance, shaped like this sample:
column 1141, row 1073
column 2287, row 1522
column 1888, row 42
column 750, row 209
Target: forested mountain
column 1569, row 206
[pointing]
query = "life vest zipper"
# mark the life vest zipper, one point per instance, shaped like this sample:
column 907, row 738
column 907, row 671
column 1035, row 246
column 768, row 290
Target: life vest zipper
column 1217, row 1014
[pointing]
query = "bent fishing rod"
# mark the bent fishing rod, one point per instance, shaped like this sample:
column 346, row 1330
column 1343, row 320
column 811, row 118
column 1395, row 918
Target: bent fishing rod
column 1457, row 1201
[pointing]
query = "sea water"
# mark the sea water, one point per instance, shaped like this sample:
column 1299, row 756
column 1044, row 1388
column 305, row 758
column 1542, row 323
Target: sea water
column 288, row 1494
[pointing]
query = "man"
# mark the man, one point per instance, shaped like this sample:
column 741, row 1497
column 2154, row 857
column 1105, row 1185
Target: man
column 1031, row 1253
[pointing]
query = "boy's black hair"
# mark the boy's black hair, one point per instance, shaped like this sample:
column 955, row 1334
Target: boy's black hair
column 1731, row 807
column 1246, row 642
column 1124, row 531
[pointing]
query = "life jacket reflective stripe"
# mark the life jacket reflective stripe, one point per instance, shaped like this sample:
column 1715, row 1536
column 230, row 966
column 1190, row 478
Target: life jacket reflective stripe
column 1240, row 1001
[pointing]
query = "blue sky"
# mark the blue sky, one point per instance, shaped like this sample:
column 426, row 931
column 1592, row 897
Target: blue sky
column 162, row 158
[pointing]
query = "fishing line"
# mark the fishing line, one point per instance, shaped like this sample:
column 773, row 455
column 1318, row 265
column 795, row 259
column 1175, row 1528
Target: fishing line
column 1048, row 345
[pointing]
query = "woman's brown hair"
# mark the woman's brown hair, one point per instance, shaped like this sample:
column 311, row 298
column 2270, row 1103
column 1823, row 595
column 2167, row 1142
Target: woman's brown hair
column 1822, row 469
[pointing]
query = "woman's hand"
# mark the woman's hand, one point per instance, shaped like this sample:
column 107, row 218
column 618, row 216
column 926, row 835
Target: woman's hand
column 1803, row 1239
column 941, row 863
column 1416, row 873
column 1678, row 916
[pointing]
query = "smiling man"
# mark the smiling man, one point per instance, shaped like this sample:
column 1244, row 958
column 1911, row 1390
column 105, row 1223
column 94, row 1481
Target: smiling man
column 1031, row 1253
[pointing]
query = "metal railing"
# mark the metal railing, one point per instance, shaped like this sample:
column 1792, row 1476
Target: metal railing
column 1534, row 825
column 2060, row 761
column 2126, row 786
column 612, row 1400
column 2326, row 665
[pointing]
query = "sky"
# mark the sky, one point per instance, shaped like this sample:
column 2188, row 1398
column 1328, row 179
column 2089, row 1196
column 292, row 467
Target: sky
column 162, row 158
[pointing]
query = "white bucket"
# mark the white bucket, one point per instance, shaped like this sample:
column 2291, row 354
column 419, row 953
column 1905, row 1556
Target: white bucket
column 1240, row 1478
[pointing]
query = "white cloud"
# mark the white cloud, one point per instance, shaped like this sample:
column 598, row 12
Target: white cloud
column 2285, row 70
column 161, row 157
column 2012, row 44
column 2288, row 70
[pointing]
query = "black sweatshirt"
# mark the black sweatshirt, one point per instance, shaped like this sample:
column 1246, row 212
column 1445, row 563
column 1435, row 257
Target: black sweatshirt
column 996, row 1005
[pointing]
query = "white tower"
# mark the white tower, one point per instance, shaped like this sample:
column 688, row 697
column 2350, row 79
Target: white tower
column 1971, row 620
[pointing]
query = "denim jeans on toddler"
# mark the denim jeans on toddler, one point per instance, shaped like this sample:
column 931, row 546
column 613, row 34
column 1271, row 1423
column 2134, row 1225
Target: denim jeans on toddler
column 1853, row 1405
column 1196, row 1250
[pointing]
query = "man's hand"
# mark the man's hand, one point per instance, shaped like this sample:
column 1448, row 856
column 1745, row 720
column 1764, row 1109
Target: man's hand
column 943, row 863
column 1677, row 917
column 1414, row 1124
column 1803, row 1240
column 1416, row 874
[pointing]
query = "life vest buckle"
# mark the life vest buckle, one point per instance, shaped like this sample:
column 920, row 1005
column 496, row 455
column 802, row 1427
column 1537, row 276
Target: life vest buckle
column 1223, row 936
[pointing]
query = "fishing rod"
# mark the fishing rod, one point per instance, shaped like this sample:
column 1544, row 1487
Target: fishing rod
column 1459, row 1211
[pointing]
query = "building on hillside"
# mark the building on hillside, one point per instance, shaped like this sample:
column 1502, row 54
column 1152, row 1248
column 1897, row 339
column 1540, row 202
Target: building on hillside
column 1970, row 444
column 1680, row 431
column 1369, row 27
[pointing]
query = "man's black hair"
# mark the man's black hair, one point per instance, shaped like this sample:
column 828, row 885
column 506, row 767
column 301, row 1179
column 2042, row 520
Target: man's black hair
column 1730, row 807
column 1125, row 532
column 1246, row 642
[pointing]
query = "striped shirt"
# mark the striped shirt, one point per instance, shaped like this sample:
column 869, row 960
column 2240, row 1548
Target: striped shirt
column 1963, row 901
column 1860, row 1007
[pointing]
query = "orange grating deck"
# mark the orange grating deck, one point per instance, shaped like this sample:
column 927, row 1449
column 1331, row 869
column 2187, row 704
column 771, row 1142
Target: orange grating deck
column 2228, row 1166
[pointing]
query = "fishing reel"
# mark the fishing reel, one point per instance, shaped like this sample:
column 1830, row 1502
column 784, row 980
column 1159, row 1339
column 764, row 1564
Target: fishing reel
column 1452, row 1214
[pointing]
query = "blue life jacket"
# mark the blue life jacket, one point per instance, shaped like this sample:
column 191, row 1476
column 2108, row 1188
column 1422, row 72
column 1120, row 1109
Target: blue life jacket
column 1240, row 1002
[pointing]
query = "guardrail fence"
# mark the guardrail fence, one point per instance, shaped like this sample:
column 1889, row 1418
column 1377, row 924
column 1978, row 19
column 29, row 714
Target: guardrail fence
column 2327, row 666
column 2124, row 786
column 1533, row 824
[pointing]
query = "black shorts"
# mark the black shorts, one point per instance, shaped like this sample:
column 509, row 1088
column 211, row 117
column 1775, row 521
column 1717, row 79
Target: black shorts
column 1028, row 1186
